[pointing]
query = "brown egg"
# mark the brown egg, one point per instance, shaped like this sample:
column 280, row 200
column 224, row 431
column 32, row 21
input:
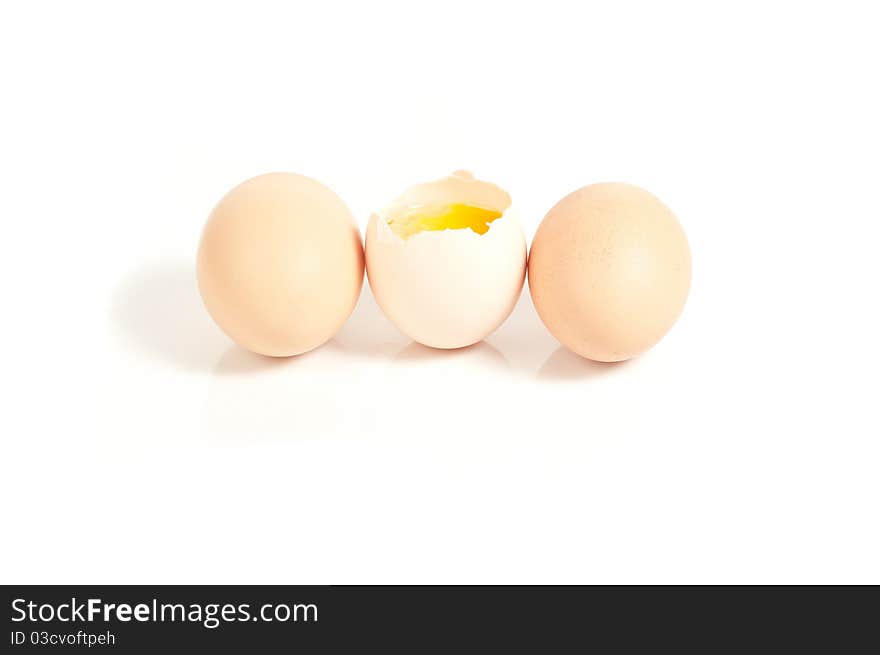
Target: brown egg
column 609, row 271
column 280, row 264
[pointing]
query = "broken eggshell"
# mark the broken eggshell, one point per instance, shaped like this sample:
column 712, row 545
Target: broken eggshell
column 447, row 288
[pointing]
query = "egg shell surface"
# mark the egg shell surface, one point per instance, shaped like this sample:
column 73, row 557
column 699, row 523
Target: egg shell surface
column 609, row 271
column 280, row 264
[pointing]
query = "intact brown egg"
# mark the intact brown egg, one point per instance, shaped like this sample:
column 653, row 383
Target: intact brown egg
column 280, row 264
column 609, row 271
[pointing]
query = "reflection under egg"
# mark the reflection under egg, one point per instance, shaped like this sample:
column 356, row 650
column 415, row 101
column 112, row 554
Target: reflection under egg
column 257, row 399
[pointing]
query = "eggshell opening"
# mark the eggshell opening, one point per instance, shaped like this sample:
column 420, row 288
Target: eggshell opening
column 459, row 188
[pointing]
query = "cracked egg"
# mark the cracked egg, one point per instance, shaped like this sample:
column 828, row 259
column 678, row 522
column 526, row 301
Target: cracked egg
column 446, row 260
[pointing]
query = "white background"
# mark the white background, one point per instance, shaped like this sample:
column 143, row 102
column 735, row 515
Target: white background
column 140, row 446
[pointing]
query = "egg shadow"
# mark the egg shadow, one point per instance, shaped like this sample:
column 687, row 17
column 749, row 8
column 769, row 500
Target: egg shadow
column 563, row 364
column 254, row 399
column 523, row 338
column 238, row 361
column 522, row 329
column 367, row 332
column 480, row 351
column 158, row 311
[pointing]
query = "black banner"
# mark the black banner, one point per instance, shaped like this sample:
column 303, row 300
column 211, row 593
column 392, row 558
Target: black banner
column 147, row 619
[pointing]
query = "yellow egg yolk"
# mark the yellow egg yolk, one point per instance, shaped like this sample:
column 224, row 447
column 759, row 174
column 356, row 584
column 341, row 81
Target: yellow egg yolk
column 454, row 216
